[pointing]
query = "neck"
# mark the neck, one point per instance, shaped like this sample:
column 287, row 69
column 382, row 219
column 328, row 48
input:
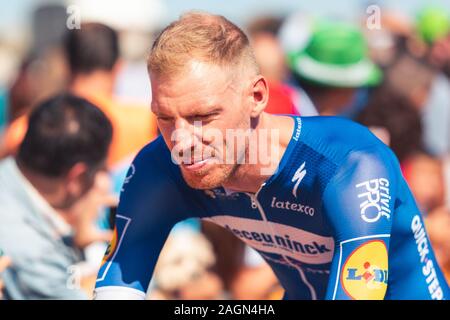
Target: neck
column 276, row 132
column 97, row 82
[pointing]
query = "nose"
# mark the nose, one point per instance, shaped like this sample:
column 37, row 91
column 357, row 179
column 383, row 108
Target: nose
column 181, row 123
column 186, row 136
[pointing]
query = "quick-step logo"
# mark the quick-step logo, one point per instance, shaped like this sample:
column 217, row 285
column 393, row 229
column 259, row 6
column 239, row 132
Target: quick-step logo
column 428, row 269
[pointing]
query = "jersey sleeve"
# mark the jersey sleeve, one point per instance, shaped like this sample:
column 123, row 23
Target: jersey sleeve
column 150, row 205
column 359, row 204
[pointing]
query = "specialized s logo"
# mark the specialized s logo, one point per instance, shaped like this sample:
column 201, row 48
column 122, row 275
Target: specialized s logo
column 131, row 172
column 376, row 199
column 298, row 177
column 365, row 273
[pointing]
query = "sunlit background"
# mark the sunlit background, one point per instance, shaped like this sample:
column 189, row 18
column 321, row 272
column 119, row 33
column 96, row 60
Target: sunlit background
column 407, row 107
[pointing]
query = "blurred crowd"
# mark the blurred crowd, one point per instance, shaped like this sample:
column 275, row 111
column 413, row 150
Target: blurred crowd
column 77, row 110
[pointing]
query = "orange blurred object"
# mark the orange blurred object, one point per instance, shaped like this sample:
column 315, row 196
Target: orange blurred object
column 134, row 126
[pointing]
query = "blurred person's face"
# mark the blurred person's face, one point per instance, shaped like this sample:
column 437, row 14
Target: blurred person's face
column 269, row 56
column 38, row 80
column 194, row 109
column 411, row 80
column 381, row 46
column 425, row 178
column 440, row 54
column 336, row 101
column 438, row 226
column 76, row 183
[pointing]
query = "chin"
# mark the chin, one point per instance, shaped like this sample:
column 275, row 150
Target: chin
column 212, row 178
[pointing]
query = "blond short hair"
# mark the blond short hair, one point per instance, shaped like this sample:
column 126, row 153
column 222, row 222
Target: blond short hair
column 201, row 36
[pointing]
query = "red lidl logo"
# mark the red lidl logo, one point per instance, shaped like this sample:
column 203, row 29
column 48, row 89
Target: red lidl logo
column 371, row 275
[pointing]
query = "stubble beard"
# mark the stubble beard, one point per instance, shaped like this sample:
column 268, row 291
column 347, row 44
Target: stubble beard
column 216, row 175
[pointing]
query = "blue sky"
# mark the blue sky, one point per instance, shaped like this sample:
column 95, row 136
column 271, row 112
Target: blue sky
column 15, row 14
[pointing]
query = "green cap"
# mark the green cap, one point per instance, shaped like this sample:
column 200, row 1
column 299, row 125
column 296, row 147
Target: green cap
column 433, row 24
column 337, row 56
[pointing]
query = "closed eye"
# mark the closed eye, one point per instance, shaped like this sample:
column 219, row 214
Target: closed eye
column 203, row 117
column 164, row 118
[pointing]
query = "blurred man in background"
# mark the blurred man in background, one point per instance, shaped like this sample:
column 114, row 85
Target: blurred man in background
column 93, row 55
column 335, row 70
column 393, row 119
column 272, row 62
column 51, row 194
column 438, row 224
column 41, row 74
column 93, row 58
column 412, row 116
column 433, row 26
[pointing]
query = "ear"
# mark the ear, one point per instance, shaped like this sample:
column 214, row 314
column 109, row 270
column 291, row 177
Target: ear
column 75, row 179
column 260, row 95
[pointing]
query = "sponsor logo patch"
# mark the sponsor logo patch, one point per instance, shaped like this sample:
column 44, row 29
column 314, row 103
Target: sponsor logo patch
column 298, row 177
column 120, row 229
column 365, row 272
column 375, row 199
column 111, row 247
column 271, row 237
column 291, row 206
column 428, row 269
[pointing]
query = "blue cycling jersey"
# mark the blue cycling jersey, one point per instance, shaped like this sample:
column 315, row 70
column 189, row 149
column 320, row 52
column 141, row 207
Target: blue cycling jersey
column 336, row 221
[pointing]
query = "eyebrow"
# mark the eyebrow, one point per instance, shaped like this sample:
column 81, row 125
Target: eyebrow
column 156, row 110
column 210, row 109
column 206, row 111
column 202, row 111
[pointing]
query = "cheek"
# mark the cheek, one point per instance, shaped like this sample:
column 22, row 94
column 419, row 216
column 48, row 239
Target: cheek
column 239, row 118
column 166, row 131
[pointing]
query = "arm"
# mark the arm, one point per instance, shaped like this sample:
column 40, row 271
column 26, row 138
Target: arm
column 150, row 205
column 359, row 202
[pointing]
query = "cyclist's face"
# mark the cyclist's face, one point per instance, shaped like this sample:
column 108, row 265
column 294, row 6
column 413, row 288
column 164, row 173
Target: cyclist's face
column 195, row 111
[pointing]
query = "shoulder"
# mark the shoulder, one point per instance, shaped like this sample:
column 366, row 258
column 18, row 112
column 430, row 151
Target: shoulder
column 152, row 152
column 153, row 180
column 153, row 164
column 155, row 156
column 13, row 197
column 336, row 138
